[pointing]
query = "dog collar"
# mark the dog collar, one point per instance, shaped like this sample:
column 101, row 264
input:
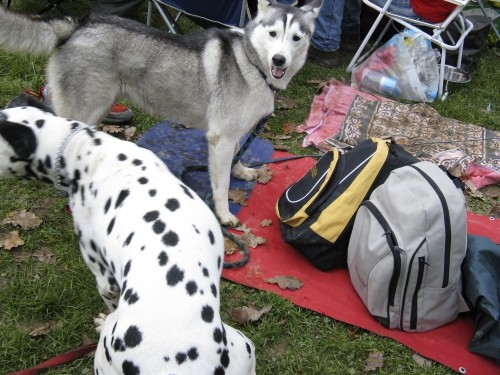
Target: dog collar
column 60, row 152
column 264, row 76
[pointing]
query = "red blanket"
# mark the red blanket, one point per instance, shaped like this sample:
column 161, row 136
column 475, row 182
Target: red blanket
column 446, row 345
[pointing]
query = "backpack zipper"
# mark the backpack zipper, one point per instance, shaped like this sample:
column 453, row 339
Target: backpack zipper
column 417, row 287
column 447, row 225
column 395, row 249
column 414, row 305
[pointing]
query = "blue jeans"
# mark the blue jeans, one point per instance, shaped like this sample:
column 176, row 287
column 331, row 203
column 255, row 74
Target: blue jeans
column 402, row 7
column 334, row 16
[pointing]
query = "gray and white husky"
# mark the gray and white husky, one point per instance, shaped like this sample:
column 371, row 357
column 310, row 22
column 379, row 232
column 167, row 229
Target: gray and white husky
column 222, row 81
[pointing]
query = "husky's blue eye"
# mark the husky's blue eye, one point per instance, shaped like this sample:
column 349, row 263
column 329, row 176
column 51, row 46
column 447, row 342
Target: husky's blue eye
column 296, row 38
column 272, row 34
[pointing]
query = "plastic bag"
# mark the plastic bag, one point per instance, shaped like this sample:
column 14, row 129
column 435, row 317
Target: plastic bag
column 405, row 67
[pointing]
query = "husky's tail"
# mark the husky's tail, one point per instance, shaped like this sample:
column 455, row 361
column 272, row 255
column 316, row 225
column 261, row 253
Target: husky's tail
column 22, row 33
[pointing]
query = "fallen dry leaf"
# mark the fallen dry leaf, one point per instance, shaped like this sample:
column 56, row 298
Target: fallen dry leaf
column 11, row 240
column 44, row 256
column 244, row 315
column 266, row 223
column 112, row 129
column 286, row 282
column 265, row 174
column 252, row 241
column 421, row 361
column 23, row 218
column 238, row 196
column 129, row 132
column 288, row 128
column 44, row 328
column 374, row 361
column 282, row 102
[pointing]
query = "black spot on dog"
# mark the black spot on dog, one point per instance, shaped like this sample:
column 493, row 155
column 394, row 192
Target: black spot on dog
column 107, row 206
column 193, row 354
column 121, row 197
column 180, row 358
column 219, row 371
column 143, row 180
column 205, row 272
column 137, row 162
column 130, row 296
column 111, row 225
column 172, row 204
column 187, row 191
column 224, row 358
column 207, row 314
column 48, row 162
column 174, row 275
column 151, row 216
column 106, row 351
column 191, row 287
column 211, row 237
column 152, row 192
column 97, row 142
column 126, row 270
column 219, row 262
column 39, row 123
column 133, row 337
column 118, row 345
column 170, row 238
column 122, row 157
column 129, row 239
column 159, row 227
column 217, row 335
column 214, row 290
column 163, row 259
column 129, row 368
column 249, row 349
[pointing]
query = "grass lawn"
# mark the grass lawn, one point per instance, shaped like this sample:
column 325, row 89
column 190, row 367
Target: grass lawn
column 48, row 297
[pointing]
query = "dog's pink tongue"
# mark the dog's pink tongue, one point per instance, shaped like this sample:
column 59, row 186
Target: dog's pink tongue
column 278, row 72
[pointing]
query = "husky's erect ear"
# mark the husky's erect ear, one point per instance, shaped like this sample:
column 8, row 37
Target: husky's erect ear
column 20, row 137
column 312, row 6
column 263, row 5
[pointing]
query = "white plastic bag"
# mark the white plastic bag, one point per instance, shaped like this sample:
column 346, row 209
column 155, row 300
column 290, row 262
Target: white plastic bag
column 405, row 67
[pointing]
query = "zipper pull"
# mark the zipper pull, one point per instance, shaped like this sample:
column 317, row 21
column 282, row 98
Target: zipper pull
column 422, row 260
column 399, row 250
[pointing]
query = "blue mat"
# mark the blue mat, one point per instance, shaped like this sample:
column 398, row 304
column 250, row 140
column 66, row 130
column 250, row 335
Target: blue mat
column 181, row 148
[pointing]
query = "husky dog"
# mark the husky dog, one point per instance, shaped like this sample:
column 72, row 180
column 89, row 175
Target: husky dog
column 222, row 81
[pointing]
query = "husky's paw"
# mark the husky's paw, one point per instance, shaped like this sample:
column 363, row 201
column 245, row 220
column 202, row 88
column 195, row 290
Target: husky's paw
column 245, row 173
column 99, row 322
column 229, row 220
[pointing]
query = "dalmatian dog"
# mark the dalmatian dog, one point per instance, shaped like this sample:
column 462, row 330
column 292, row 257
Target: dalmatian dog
column 154, row 246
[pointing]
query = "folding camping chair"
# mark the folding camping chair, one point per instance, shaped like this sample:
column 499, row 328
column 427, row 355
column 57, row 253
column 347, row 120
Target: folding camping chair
column 222, row 12
column 448, row 35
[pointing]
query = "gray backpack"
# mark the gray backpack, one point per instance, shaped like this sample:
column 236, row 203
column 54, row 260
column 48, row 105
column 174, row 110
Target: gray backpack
column 406, row 248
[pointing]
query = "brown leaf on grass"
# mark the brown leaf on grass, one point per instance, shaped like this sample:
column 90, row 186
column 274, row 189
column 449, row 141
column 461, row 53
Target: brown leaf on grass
column 238, row 196
column 421, row 361
column 374, row 361
column 265, row 174
column 11, row 240
column 45, row 328
column 282, row 102
column 286, row 282
column 245, row 314
column 23, row 218
column 129, row 132
column 266, row 223
column 288, row 128
column 44, row 255
column 112, row 129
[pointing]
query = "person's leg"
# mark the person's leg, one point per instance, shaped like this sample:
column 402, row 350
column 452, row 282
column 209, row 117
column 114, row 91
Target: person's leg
column 325, row 41
column 327, row 31
column 402, row 7
column 351, row 24
column 117, row 7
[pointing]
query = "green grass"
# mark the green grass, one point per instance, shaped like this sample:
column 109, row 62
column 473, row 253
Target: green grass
column 289, row 339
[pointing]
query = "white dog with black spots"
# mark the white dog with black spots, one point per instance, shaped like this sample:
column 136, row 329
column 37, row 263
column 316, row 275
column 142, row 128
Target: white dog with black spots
column 154, row 246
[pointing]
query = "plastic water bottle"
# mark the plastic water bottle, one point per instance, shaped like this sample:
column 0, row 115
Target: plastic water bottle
column 378, row 82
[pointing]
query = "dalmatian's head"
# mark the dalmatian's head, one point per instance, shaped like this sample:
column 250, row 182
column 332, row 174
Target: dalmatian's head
column 29, row 138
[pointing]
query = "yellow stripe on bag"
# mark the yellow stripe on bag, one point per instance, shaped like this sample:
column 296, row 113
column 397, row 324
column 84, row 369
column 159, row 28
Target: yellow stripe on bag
column 301, row 215
column 334, row 218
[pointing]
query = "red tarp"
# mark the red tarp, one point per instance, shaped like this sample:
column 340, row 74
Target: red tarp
column 446, row 345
